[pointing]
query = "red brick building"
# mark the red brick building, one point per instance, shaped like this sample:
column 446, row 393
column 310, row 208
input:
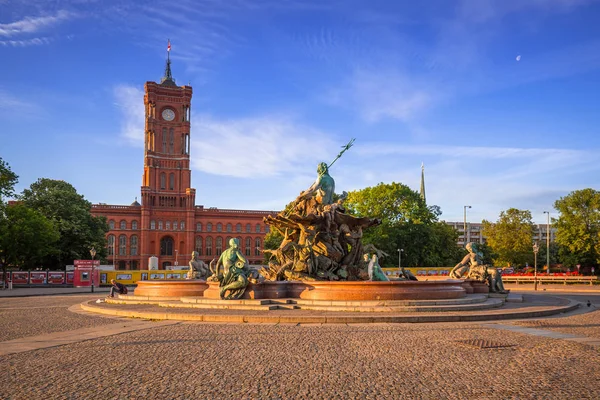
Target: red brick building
column 168, row 224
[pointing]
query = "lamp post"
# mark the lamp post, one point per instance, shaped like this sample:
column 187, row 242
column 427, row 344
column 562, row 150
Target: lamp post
column 536, row 248
column 93, row 254
column 400, row 251
column 548, row 241
column 465, row 224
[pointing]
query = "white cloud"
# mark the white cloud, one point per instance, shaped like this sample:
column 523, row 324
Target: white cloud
column 25, row 43
column 378, row 94
column 13, row 105
column 33, row 24
column 130, row 101
column 255, row 147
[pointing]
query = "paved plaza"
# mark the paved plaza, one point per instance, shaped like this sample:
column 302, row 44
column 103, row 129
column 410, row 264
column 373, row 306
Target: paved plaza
column 49, row 349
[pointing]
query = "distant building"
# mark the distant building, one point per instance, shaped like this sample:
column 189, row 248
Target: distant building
column 474, row 233
column 167, row 223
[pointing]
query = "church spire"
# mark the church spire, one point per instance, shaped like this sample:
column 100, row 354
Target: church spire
column 423, row 182
column 168, row 80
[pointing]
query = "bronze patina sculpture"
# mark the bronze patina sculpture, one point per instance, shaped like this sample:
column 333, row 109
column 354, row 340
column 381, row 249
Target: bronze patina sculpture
column 320, row 241
column 374, row 269
column 472, row 267
column 198, row 268
column 235, row 274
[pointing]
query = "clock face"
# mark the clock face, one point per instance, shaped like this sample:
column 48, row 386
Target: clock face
column 168, row 114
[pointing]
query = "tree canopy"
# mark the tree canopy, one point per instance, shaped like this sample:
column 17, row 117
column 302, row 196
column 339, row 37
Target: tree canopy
column 407, row 223
column 70, row 212
column 510, row 237
column 8, row 180
column 26, row 237
column 578, row 226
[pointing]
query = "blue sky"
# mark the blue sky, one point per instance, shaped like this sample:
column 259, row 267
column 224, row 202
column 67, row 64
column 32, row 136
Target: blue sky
column 280, row 85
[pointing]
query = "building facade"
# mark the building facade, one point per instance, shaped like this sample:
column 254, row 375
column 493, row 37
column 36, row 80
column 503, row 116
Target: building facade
column 167, row 223
column 474, row 233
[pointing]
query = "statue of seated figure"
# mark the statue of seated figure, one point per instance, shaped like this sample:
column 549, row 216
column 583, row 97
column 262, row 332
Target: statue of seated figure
column 198, row 268
column 472, row 267
column 234, row 278
column 374, row 269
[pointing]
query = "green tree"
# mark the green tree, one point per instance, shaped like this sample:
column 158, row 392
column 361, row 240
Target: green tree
column 510, row 237
column 578, row 227
column 8, row 180
column 406, row 223
column 26, row 237
column 70, row 212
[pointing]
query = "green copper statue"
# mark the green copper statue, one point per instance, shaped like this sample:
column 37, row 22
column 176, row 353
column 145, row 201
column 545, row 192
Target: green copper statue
column 234, row 278
column 472, row 267
column 374, row 269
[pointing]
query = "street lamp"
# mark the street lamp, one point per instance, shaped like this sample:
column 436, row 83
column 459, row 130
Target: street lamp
column 93, row 254
column 400, row 251
column 465, row 225
column 548, row 241
column 536, row 248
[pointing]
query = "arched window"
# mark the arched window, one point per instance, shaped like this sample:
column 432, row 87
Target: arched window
column 171, row 141
column 209, row 227
column 198, row 246
column 163, row 180
column 171, row 181
column 133, row 264
column 134, row 225
column 257, row 247
column 110, row 244
column 219, row 227
column 133, row 243
column 209, row 246
column 122, row 265
column 219, row 246
column 199, row 227
column 168, row 225
column 122, row 245
column 182, row 225
column 152, row 224
column 248, row 246
column 160, row 225
column 164, row 140
column 166, row 246
column 257, row 228
column 122, row 225
column 174, row 225
column 229, row 227
column 111, row 224
column 248, row 228
column 267, row 228
column 238, row 227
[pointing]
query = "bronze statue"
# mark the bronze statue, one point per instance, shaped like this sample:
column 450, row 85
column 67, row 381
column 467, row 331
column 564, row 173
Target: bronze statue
column 320, row 240
column 235, row 275
column 472, row 267
column 198, row 268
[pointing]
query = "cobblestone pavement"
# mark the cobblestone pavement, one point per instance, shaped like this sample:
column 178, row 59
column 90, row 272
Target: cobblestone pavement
column 28, row 316
column 375, row 361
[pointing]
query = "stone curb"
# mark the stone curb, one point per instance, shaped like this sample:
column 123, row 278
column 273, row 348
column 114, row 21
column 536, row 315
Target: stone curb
column 335, row 319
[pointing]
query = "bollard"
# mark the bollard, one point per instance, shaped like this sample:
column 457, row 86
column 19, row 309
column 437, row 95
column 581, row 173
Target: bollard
column 10, row 285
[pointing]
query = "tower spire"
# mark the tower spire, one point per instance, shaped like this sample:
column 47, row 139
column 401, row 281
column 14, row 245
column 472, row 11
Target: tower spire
column 168, row 78
column 423, row 182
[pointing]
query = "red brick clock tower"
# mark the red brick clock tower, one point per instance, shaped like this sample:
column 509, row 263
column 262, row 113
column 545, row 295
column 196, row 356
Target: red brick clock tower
column 166, row 192
column 167, row 224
